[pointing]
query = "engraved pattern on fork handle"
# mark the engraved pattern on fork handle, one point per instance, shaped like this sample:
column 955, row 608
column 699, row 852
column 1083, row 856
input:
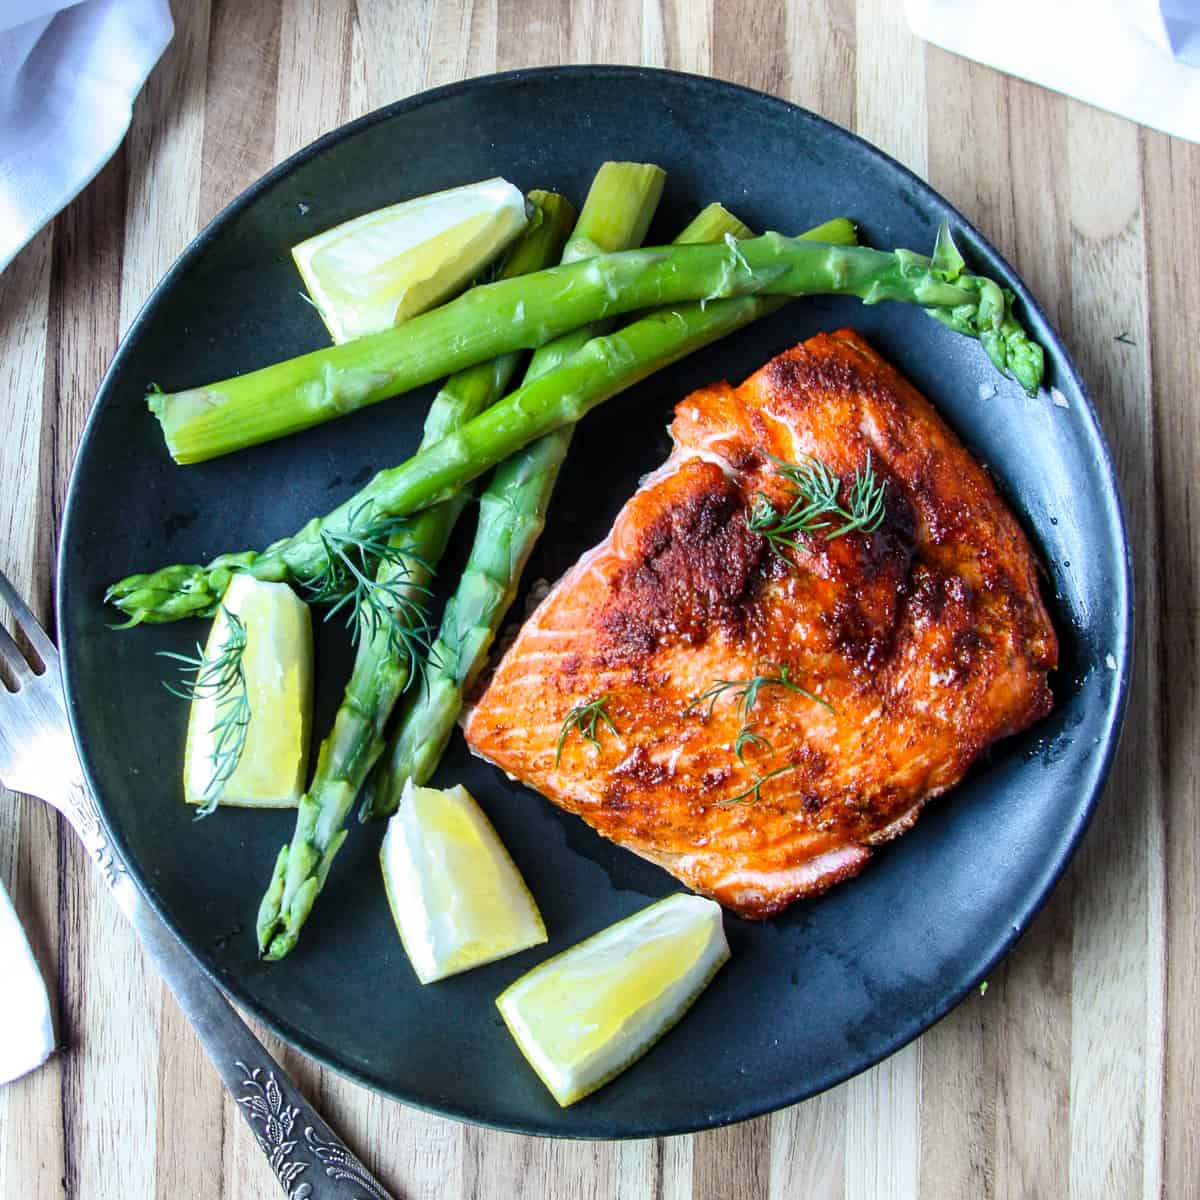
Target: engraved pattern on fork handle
column 80, row 809
column 320, row 1167
column 263, row 1103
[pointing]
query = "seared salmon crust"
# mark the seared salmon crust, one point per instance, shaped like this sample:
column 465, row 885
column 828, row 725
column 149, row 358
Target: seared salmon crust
column 922, row 642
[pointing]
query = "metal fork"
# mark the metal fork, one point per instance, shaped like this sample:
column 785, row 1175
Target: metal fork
column 37, row 757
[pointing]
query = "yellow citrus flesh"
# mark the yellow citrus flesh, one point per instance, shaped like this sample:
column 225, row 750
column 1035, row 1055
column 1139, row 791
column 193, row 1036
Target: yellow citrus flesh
column 385, row 266
column 585, row 1015
column 457, row 897
column 277, row 662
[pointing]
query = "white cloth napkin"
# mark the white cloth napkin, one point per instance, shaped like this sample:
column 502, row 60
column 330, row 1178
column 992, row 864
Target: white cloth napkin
column 1137, row 58
column 69, row 73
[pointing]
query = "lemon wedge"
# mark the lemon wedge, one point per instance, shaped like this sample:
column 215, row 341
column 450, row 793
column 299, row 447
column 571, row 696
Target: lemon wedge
column 456, row 895
column 585, row 1015
column 276, row 665
column 369, row 273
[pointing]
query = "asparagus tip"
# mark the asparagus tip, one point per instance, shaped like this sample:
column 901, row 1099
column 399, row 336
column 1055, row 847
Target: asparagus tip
column 269, row 910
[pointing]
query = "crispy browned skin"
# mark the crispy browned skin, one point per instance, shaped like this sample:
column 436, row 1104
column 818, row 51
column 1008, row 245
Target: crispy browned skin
column 928, row 638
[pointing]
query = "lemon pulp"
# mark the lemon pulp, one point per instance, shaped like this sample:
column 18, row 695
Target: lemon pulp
column 277, row 664
column 457, row 897
column 585, row 1015
column 369, row 273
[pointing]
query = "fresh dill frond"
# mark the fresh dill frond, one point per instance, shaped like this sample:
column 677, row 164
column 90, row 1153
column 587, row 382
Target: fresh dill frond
column 813, row 479
column 584, row 718
column 754, row 792
column 377, row 579
column 223, row 680
column 815, row 506
column 867, row 503
column 747, row 737
column 710, row 697
column 745, row 693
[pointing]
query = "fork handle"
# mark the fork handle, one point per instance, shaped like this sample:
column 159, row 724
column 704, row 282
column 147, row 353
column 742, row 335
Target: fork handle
column 308, row 1158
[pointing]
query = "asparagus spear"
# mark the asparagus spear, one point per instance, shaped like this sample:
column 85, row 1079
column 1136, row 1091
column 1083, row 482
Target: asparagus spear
column 604, row 367
column 618, row 209
column 512, row 514
column 512, row 314
column 380, row 675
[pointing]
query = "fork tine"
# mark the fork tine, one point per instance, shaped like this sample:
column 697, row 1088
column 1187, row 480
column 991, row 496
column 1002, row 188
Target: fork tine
column 14, row 660
column 29, row 625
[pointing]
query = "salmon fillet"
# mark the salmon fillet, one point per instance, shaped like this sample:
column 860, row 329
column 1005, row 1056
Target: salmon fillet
column 920, row 643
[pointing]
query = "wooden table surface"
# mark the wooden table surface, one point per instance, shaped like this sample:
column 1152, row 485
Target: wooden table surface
column 1078, row 1073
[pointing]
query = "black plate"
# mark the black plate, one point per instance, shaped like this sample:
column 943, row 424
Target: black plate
column 810, row 998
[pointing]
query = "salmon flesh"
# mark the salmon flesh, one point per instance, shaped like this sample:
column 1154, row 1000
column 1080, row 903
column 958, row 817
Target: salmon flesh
column 890, row 658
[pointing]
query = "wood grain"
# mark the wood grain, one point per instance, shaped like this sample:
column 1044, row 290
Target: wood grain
column 1077, row 1074
column 1170, row 192
column 1117, row 936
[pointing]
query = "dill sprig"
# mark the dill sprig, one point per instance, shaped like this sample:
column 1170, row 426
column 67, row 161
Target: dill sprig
column 754, row 792
column 222, row 679
column 375, row 576
column 747, row 737
column 816, row 508
column 584, row 718
column 745, row 693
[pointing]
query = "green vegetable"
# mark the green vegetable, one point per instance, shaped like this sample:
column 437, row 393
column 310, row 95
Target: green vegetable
column 371, row 572
column 512, row 314
column 385, row 621
column 604, row 367
column 617, row 212
column 511, row 518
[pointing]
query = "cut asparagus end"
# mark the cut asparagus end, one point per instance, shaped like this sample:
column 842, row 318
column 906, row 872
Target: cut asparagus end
column 615, row 216
column 841, row 231
column 711, row 224
column 542, row 243
column 619, row 207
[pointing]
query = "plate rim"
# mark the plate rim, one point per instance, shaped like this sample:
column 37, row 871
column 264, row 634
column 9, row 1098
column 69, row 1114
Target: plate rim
column 1125, row 597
